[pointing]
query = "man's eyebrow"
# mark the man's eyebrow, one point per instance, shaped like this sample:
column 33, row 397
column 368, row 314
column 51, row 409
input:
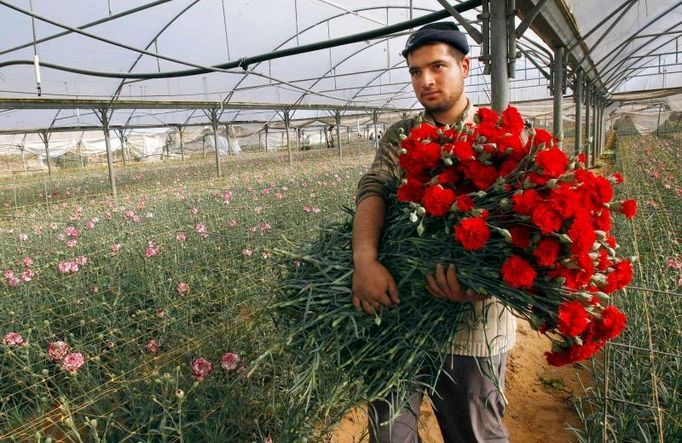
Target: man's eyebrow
column 434, row 62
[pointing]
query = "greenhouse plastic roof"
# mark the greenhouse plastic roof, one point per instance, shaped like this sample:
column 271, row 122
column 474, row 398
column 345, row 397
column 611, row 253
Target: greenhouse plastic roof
column 624, row 46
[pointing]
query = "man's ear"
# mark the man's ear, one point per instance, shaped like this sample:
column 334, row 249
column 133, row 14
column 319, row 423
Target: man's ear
column 464, row 65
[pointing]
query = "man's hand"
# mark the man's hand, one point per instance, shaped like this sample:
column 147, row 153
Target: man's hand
column 446, row 285
column 373, row 287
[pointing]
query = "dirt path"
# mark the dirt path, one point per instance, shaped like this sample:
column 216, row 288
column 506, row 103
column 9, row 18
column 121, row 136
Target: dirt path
column 539, row 395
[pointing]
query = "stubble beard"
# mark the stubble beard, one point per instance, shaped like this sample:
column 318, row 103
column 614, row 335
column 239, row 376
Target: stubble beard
column 447, row 103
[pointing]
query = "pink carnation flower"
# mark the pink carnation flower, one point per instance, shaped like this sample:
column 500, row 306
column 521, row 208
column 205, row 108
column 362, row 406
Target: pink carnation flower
column 27, row 275
column 230, row 361
column 72, row 362
column 181, row 236
column 27, row 261
column 13, row 339
column 183, row 288
column 57, row 350
column 201, row 368
column 152, row 346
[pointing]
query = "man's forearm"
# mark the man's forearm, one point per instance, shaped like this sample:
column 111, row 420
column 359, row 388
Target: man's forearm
column 367, row 226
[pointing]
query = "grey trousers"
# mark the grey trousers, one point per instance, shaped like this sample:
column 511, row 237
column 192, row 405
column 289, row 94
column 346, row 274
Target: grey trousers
column 467, row 405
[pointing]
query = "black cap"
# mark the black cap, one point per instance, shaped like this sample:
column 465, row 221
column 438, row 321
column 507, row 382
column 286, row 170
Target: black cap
column 444, row 32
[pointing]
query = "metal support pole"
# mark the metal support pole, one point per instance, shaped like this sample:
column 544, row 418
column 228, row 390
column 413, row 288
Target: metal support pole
column 557, row 92
column 594, row 129
column 214, row 123
column 46, row 139
column 499, row 74
column 104, row 118
column 182, row 144
column 122, row 138
column 578, row 110
column 511, row 39
column 266, row 137
column 375, row 119
column 286, row 128
column 337, row 117
column 23, row 160
column 588, row 147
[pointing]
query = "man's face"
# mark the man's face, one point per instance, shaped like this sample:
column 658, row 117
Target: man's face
column 437, row 76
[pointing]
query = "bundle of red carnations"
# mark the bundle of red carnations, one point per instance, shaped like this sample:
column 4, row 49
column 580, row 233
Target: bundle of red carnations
column 522, row 222
column 513, row 193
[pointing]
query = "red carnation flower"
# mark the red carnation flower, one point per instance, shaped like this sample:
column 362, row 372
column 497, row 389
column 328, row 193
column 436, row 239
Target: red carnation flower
column 553, row 162
column 547, row 252
column 620, row 277
column 547, row 218
column 542, row 136
column 450, row 175
column 481, row 176
column 581, row 234
column 617, row 177
column 412, row 191
column 520, row 236
column 508, row 166
column 629, row 208
column 573, row 354
column 437, row 200
column 581, row 158
column 525, row 202
column 611, row 324
column 462, row 150
column 424, row 131
column 472, row 233
column 602, row 221
column 564, row 199
column 512, row 120
column 604, row 261
column 465, row 203
column 572, row 318
column 487, row 115
column 518, row 273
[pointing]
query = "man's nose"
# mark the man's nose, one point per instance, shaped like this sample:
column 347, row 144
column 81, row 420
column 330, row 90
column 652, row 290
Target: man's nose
column 427, row 79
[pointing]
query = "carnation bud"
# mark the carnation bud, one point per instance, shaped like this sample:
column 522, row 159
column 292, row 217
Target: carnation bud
column 560, row 280
column 480, row 140
column 480, row 194
column 447, row 161
column 439, row 131
column 634, row 259
column 69, row 422
column 506, row 234
column 403, row 181
column 403, row 151
column 414, row 218
column 421, row 210
column 93, row 423
column 552, row 183
column 599, row 280
column 508, row 151
column 565, row 239
column 478, row 148
column 402, row 136
column 505, row 203
column 45, row 372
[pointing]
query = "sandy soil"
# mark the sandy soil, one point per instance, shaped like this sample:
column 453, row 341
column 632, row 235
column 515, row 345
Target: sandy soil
column 539, row 410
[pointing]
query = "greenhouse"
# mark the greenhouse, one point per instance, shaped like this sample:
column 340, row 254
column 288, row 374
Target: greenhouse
column 171, row 168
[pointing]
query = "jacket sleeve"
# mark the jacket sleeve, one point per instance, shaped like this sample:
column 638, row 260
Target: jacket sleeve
column 385, row 164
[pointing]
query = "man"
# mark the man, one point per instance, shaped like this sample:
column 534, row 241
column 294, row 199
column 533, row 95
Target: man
column 468, row 405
